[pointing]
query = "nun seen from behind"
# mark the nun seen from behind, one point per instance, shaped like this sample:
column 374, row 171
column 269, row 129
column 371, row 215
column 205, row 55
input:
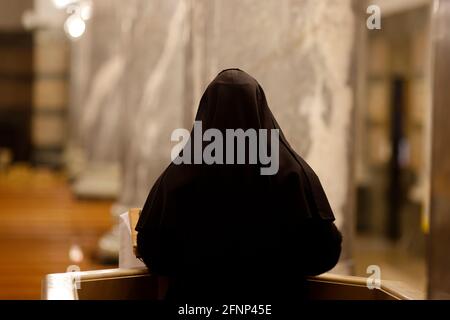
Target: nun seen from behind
column 225, row 232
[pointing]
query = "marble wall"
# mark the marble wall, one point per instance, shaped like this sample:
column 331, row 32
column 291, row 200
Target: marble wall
column 301, row 53
column 140, row 70
column 95, row 96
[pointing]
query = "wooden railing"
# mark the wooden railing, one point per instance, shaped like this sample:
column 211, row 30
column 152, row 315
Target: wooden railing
column 120, row 284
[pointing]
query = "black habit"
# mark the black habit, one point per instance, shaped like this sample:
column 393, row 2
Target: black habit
column 225, row 232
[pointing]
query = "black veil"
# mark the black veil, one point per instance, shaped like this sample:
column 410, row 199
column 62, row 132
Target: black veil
column 204, row 220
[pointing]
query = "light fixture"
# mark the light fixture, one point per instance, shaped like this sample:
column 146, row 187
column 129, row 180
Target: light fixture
column 61, row 4
column 79, row 12
column 86, row 10
column 74, row 26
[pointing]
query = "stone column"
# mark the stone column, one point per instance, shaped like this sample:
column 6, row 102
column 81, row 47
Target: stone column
column 153, row 94
column 301, row 53
column 97, row 72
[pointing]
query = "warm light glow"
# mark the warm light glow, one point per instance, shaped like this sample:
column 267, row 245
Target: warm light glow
column 74, row 26
column 86, row 10
column 61, row 4
column 76, row 254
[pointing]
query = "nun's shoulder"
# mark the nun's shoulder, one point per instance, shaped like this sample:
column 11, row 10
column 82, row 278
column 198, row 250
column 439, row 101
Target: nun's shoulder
column 288, row 164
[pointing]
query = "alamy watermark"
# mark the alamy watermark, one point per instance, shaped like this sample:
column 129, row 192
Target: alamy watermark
column 75, row 278
column 234, row 140
column 374, row 280
column 374, row 20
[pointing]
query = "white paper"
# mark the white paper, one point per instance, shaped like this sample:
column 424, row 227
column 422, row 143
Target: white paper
column 127, row 259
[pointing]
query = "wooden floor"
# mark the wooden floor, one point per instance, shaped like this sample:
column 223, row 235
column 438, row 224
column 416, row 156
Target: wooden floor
column 40, row 220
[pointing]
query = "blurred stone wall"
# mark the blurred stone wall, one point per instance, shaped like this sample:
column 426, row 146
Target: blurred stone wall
column 50, row 100
column 438, row 254
column 95, row 94
column 300, row 52
column 140, row 71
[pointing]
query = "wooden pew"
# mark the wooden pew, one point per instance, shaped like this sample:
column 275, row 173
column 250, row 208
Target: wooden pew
column 139, row 284
column 118, row 284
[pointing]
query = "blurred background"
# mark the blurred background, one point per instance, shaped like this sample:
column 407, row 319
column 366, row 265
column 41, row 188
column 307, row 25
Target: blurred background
column 90, row 91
